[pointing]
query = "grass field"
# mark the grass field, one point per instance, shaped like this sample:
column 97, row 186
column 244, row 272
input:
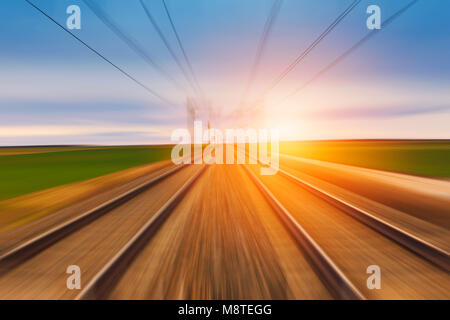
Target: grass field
column 25, row 170
column 420, row 157
column 26, row 173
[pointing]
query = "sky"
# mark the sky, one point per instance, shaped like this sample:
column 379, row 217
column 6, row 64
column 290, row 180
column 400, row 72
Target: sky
column 54, row 90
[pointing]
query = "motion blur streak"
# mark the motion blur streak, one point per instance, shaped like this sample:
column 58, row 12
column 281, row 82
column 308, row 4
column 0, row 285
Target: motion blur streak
column 354, row 246
column 222, row 242
column 44, row 277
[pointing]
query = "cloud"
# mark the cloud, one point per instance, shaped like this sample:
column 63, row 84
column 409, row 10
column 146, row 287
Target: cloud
column 67, row 130
column 85, row 112
column 385, row 112
column 83, row 134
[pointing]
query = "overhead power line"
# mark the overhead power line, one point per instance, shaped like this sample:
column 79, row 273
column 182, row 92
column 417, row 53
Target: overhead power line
column 162, row 98
column 271, row 18
column 129, row 41
column 167, row 44
column 339, row 59
column 188, row 62
column 303, row 55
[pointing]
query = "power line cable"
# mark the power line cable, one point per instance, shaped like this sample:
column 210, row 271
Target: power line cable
column 182, row 47
column 129, row 41
column 271, row 18
column 102, row 56
column 303, row 55
column 166, row 43
column 339, row 59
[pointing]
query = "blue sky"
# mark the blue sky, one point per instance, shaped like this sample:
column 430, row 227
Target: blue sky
column 53, row 90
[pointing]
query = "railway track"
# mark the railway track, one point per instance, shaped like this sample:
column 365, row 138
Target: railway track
column 134, row 253
column 106, row 277
column 334, row 278
column 357, row 223
column 29, row 248
column 39, row 272
column 427, row 250
column 434, row 254
column 230, row 247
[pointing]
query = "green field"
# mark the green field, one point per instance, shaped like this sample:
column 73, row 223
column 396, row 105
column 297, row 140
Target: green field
column 419, row 157
column 27, row 150
column 39, row 168
column 26, row 173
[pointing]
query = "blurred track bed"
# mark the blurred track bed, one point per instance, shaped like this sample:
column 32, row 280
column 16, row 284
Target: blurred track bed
column 353, row 246
column 216, row 236
column 45, row 239
column 436, row 235
column 44, row 275
column 223, row 241
column 424, row 201
column 67, row 202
